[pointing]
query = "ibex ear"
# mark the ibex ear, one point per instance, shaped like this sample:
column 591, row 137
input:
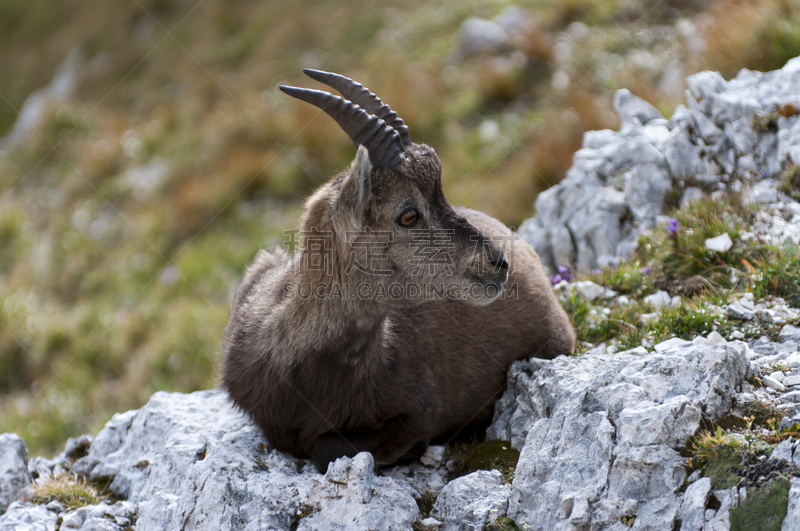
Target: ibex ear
column 357, row 185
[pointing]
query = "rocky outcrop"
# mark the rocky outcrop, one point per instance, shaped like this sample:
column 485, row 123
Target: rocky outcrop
column 736, row 135
column 599, row 439
column 600, row 435
column 193, row 460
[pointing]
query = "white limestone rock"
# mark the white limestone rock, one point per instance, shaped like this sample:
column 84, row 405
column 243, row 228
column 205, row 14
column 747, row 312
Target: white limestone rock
column 569, row 416
column 13, row 468
column 468, row 502
column 720, row 244
column 194, row 458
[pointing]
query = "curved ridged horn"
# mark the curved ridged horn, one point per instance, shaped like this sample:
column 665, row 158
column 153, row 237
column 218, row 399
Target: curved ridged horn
column 361, row 96
column 382, row 142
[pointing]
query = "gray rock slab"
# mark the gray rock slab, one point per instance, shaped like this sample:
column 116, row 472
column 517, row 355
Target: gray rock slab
column 789, row 333
column 13, row 468
column 469, row 502
column 28, row 517
column 791, row 522
column 603, row 432
column 194, row 461
column 693, row 507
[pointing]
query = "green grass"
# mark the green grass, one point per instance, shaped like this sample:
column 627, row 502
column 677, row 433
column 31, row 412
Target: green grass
column 682, row 264
column 790, row 182
column 595, row 323
column 778, row 275
column 71, row 492
column 705, row 280
column 764, row 509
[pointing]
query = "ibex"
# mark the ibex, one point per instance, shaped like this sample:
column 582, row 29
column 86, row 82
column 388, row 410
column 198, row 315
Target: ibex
column 398, row 316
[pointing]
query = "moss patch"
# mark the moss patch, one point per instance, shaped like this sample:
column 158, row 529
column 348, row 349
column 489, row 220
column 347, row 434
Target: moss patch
column 502, row 523
column 489, row 455
column 722, row 469
column 764, row 509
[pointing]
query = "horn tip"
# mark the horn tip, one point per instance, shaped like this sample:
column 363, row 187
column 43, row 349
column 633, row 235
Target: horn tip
column 317, row 75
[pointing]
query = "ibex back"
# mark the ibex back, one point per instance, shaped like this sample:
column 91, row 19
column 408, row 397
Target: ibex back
column 396, row 320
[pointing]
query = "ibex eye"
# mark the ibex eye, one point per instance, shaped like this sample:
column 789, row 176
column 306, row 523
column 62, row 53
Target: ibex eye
column 408, row 218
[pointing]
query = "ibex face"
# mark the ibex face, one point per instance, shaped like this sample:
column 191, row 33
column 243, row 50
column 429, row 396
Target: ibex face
column 401, row 241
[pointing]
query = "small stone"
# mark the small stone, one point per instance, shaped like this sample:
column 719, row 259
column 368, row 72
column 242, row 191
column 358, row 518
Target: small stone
column 478, row 36
column 638, row 351
column 55, row 506
column 791, row 381
column 648, row 317
column 658, row 299
column 737, row 311
column 433, row 456
column 783, row 451
column 769, row 316
column 74, row 520
column 789, row 333
column 715, row 338
column 701, row 341
column 773, row 383
column 792, row 397
column 431, row 522
column 778, row 376
column 674, row 342
column 589, row 290
column 721, row 243
column 737, row 334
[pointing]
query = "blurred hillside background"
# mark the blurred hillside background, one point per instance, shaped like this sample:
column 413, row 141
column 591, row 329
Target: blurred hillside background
column 147, row 153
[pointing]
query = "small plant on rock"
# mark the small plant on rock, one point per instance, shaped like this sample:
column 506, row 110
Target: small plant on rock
column 790, row 182
column 718, row 454
column 72, row 492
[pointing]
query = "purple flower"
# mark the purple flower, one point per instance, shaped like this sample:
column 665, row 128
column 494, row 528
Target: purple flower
column 763, row 175
column 672, row 227
column 563, row 274
column 555, row 279
column 596, row 271
column 646, row 270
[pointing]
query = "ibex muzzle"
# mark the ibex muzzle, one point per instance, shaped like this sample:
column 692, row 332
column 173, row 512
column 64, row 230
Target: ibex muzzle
column 397, row 319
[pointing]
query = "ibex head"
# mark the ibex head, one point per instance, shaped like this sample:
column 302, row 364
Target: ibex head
column 386, row 222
